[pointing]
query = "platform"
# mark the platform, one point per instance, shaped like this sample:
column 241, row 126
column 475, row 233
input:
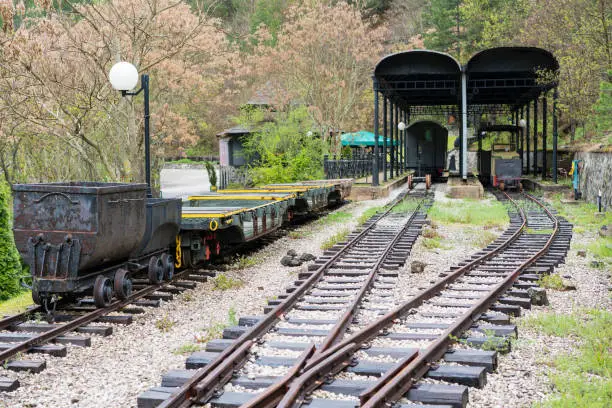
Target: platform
column 470, row 188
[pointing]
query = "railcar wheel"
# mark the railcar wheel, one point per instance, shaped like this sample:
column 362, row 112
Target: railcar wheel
column 187, row 263
column 521, row 187
column 156, row 270
column 122, row 284
column 36, row 297
column 168, row 265
column 103, row 291
column 502, row 185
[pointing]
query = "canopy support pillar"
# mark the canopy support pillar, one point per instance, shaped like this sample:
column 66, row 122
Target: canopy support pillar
column 535, row 137
column 555, row 135
column 544, row 135
column 375, row 163
column 464, row 158
column 385, row 135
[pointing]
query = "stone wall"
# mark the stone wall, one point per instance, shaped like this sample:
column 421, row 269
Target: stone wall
column 596, row 175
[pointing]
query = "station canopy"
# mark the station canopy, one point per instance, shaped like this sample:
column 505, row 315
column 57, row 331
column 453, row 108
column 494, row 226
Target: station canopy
column 498, row 79
column 362, row 138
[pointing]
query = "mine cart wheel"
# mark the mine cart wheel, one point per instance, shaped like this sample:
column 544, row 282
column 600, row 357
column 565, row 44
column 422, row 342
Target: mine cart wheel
column 36, row 297
column 187, row 263
column 122, row 284
column 156, row 270
column 502, row 186
column 168, row 265
column 103, row 291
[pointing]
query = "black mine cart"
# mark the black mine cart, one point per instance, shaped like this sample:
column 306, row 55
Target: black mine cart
column 88, row 237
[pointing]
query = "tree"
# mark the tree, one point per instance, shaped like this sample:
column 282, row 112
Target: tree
column 324, row 59
column 10, row 266
column 53, row 79
column 287, row 150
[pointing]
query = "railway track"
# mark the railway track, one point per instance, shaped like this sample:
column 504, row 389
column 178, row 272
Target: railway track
column 35, row 331
column 358, row 273
column 428, row 350
column 73, row 323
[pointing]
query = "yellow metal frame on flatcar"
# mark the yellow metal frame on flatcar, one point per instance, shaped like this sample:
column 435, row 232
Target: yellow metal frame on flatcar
column 225, row 215
column 239, row 197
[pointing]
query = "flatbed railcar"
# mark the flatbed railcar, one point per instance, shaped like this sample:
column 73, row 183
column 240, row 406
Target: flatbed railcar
column 88, row 238
column 233, row 217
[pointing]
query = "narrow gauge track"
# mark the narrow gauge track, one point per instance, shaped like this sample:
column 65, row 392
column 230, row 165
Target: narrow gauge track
column 407, row 343
column 24, row 333
column 363, row 269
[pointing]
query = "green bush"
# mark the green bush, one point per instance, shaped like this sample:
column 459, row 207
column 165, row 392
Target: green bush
column 10, row 265
column 285, row 150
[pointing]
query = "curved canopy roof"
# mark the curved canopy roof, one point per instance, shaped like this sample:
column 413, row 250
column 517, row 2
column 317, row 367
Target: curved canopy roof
column 509, row 75
column 497, row 76
column 419, row 77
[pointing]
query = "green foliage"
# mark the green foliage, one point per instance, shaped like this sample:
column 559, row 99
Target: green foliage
column 243, row 262
column 187, row 349
column 165, row 324
column 603, row 107
column 10, row 265
column 334, row 218
column 466, row 211
column 285, row 152
column 484, row 238
column 442, row 17
column 602, row 248
column 582, row 378
column 334, row 239
column 16, row 304
column 432, row 243
column 224, row 282
column 551, row 282
column 367, row 214
column 212, row 173
column 232, row 317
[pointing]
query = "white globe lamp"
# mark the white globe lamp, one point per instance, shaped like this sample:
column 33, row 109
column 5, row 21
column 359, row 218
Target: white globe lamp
column 401, row 126
column 123, row 76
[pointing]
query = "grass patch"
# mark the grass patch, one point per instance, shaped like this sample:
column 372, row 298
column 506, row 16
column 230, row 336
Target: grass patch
column 334, row 239
column 165, row 324
column 16, row 304
column 484, row 238
column 299, row 234
column 467, row 211
column 539, row 232
column 582, row 378
column 405, row 206
column 369, row 213
column 551, row 282
column 243, row 262
column 224, row 282
column 582, row 214
column 429, row 232
column 431, row 243
column 601, row 248
column 187, row 349
column 334, row 217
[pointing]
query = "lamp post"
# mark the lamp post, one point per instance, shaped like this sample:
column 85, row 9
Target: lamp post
column 401, row 126
column 123, row 77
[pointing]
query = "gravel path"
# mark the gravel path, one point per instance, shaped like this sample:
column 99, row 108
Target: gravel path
column 115, row 370
column 522, row 376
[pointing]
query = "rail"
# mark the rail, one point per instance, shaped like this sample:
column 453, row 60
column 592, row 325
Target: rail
column 395, row 383
column 204, row 382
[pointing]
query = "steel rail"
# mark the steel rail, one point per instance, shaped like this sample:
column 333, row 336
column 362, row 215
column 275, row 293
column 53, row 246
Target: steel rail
column 193, row 389
column 270, row 394
column 294, row 393
column 79, row 321
column 381, row 393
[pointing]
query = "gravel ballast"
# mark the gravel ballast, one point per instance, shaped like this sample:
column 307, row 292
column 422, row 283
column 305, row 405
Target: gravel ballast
column 115, row 370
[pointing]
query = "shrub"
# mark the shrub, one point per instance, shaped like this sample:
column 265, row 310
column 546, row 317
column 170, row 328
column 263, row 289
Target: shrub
column 10, row 265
